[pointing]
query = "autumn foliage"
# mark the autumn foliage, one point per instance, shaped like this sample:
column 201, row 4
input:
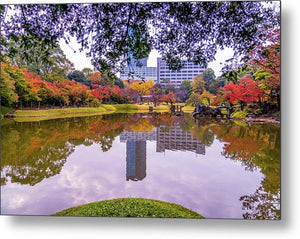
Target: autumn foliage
column 168, row 98
column 245, row 91
column 20, row 87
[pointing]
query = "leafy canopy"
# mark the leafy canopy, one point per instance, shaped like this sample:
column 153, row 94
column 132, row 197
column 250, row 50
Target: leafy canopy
column 112, row 33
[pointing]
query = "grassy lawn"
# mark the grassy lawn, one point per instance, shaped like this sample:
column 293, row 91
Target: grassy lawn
column 5, row 110
column 188, row 109
column 44, row 114
column 159, row 108
column 130, row 207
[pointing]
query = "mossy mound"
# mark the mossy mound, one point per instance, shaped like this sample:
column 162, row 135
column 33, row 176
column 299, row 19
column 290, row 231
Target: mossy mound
column 130, row 207
column 240, row 114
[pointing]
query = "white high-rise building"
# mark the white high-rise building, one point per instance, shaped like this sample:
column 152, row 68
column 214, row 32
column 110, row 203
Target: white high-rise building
column 139, row 73
column 167, row 76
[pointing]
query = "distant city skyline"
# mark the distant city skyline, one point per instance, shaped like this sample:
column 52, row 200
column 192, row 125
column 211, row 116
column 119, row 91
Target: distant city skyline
column 81, row 61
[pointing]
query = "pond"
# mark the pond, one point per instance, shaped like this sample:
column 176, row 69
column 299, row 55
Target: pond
column 218, row 168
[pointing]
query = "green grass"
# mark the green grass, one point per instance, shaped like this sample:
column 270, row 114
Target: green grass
column 125, row 108
column 46, row 114
column 132, row 108
column 63, row 111
column 5, row 110
column 188, row 109
column 160, row 108
column 130, row 207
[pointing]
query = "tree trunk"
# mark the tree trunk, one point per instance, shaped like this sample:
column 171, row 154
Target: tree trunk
column 242, row 105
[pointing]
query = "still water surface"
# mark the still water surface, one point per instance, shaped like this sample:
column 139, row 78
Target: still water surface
column 220, row 169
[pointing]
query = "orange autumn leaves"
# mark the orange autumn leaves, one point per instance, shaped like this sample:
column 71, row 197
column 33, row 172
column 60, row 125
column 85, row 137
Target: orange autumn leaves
column 19, row 86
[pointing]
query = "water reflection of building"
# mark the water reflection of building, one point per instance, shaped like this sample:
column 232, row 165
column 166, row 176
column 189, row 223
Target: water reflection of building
column 137, row 136
column 173, row 138
column 136, row 153
column 135, row 160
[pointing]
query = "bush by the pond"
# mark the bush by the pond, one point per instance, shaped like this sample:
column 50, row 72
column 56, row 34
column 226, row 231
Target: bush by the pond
column 240, row 114
column 130, row 207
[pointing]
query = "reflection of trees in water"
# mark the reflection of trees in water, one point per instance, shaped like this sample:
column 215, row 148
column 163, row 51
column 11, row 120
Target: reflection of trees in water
column 255, row 147
column 37, row 150
column 261, row 205
column 40, row 164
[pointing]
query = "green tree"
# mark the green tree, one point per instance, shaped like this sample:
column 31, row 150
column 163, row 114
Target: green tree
column 120, row 28
column 119, row 83
column 50, row 63
column 198, row 84
column 77, row 76
column 208, row 77
column 14, row 79
column 186, row 85
column 193, row 99
column 8, row 94
column 215, row 85
column 88, row 72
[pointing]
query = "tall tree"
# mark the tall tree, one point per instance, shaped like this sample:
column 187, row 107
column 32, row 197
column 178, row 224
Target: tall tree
column 155, row 93
column 142, row 87
column 88, row 72
column 208, row 77
column 214, row 86
column 118, row 29
column 198, row 84
column 186, row 86
column 7, row 90
column 193, row 99
column 267, row 58
column 100, row 79
column 119, row 83
column 78, row 76
column 50, row 63
column 246, row 91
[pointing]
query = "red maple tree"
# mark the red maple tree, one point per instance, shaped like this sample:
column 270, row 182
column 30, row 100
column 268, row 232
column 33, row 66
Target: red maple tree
column 245, row 91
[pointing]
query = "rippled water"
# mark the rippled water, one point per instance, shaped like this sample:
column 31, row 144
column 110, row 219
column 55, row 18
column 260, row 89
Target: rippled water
column 220, row 169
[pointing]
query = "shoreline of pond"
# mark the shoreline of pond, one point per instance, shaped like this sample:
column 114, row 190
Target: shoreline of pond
column 28, row 115
column 69, row 112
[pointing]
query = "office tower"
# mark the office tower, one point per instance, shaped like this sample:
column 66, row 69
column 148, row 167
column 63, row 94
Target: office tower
column 139, row 73
column 188, row 72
